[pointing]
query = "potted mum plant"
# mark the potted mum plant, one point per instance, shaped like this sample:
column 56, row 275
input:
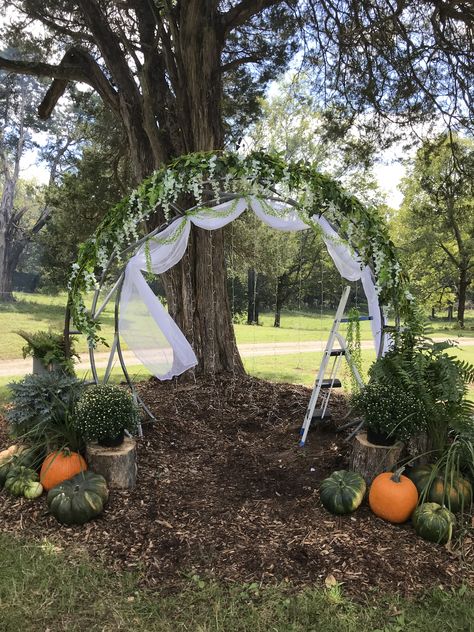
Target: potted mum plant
column 391, row 413
column 48, row 350
column 104, row 413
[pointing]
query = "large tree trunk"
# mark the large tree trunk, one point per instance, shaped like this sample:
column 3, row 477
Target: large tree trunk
column 10, row 248
column 196, row 287
column 8, row 265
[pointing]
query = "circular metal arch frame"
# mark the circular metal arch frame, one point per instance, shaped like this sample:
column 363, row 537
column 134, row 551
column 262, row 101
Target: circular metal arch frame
column 95, row 311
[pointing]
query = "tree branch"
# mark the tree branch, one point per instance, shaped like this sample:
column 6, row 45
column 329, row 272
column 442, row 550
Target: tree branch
column 76, row 65
column 235, row 63
column 242, row 12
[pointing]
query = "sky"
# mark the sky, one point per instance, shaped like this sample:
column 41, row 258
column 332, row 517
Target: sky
column 389, row 172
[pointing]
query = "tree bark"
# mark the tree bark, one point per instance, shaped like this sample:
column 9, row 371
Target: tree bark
column 278, row 303
column 463, row 285
column 169, row 104
column 252, row 309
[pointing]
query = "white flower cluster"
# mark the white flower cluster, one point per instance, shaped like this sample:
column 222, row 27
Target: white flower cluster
column 104, row 411
column 247, row 175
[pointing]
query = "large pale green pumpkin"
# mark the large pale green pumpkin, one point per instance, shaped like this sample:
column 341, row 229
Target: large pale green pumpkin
column 78, row 499
column 342, row 492
column 19, row 479
column 433, row 522
column 455, row 493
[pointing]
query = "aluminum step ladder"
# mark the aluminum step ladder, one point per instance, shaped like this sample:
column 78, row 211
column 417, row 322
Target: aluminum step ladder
column 326, row 385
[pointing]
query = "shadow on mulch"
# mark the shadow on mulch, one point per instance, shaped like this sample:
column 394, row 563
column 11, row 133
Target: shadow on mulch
column 224, row 491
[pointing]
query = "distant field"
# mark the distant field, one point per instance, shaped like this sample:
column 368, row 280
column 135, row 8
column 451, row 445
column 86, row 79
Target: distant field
column 38, row 311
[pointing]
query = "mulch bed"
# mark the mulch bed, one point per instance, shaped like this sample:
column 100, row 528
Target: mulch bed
column 224, row 491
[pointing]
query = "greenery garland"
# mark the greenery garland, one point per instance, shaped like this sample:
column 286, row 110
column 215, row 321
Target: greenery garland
column 362, row 228
column 354, row 346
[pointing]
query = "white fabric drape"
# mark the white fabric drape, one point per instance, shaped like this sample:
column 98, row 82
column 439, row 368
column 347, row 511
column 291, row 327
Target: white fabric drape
column 149, row 330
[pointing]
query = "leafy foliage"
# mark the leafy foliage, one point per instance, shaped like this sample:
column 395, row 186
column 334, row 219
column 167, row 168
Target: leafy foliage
column 49, row 347
column 363, row 228
column 104, row 411
column 436, row 223
column 391, row 410
column 42, row 409
column 437, row 380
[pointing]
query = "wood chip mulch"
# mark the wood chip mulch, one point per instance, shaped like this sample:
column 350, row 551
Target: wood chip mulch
column 224, row 491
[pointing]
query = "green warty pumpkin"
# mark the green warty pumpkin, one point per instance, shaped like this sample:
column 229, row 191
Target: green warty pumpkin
column 455, row 493
column 342, row 492
column 19, row 478
column 433, row 522
column 78, row 499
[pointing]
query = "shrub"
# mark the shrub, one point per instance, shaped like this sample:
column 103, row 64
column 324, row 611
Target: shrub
column 104, row 411
column 50, row 348
column 42, row 409
column 390, row 410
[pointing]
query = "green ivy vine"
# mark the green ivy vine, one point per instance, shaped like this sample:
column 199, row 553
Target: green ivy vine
column 258, row 174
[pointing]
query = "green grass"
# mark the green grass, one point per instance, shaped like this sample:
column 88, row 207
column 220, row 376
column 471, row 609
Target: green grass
column 37, row 311
column 44, row 588
column 33, row 312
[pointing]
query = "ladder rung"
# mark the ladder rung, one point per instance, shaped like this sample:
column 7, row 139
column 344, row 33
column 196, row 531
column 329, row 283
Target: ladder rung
column 338, row 352
column 331, row 384
column 348, row 320
column 318, row 415
column 74, row 332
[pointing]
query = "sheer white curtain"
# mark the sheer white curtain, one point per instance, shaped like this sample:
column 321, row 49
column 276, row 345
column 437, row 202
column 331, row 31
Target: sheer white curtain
column 145, row 324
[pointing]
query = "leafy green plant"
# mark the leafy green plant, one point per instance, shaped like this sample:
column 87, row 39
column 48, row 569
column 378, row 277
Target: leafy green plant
column 104, row 411
column 49, row 347
column 353, row 345
column 436, row 379
column 390, row 410
column 42, row 409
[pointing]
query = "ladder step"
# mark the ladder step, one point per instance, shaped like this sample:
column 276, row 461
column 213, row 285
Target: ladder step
column 331, row 383
column 338, row 352
column 74, row 332
column 347, row 320
column 317, row 416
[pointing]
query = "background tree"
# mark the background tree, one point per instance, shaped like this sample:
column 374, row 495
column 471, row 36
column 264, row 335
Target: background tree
column 437, row 217
column 22, row 210
column 96, row 178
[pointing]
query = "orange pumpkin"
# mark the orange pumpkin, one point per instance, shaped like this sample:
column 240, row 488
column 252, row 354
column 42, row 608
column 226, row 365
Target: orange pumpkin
column 60, row 466
column 393, row 497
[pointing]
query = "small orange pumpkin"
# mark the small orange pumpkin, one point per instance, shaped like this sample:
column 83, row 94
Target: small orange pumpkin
column 393, row 496
column 60, row 466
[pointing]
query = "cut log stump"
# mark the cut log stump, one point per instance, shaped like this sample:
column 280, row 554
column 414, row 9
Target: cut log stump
column 370, row 460
column 117, row 465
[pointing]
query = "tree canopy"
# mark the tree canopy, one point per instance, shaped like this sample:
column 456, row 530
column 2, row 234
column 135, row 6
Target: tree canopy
column 437, row 218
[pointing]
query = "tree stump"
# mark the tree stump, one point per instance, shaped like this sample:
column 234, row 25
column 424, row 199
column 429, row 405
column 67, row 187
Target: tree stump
column 117, row 465
column 420, row 445
column 370, row 460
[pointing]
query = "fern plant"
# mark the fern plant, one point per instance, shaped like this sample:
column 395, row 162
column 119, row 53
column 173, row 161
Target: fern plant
column 49, row 347
column 437, row 379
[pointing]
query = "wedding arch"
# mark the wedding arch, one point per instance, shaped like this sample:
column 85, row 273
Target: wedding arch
column 288, row 196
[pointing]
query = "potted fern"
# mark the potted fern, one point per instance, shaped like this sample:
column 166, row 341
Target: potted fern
column 48, row 350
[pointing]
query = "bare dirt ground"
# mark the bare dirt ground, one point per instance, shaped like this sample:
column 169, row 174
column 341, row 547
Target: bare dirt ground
column 223, row 491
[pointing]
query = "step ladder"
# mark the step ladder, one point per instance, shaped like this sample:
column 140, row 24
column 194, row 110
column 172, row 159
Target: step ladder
column 324, row 385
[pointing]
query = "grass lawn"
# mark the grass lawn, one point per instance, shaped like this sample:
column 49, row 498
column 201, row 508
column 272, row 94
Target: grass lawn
column 39, row 311
column 43, row 588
